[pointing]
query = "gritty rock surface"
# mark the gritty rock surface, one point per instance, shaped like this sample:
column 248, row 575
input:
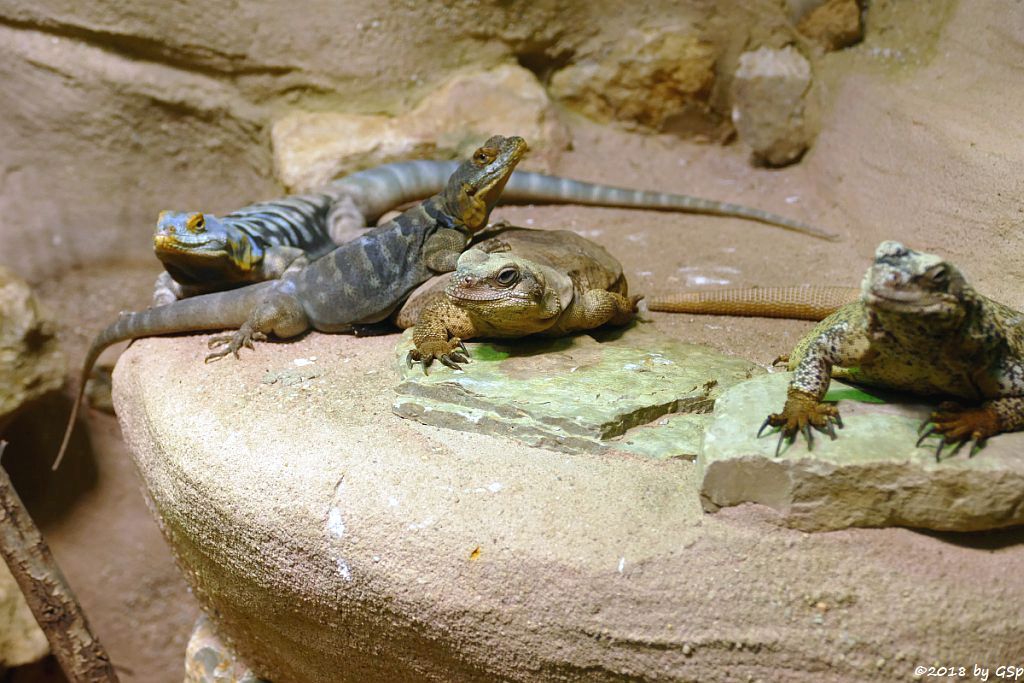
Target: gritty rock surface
column 21, row 640
column 339, row 542
column 575, row 394
column 768, row 103
column 871, row 475
column 644, row 78
column 312, row 148
column 31, row 363
column 834, row 24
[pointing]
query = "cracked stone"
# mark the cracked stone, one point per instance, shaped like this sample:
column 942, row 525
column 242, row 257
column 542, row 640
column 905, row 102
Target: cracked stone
column 871, row 475
column 576, row 394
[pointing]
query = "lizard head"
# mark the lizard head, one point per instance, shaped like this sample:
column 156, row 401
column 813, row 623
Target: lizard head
column 904, row 282
column 194, row 246
column 513, row 293
column 476, row 185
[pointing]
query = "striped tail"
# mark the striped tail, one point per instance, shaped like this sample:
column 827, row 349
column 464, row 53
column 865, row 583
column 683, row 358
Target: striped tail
column 541, row 188
column 801, row 303
column 378, row 190
column 218, row 311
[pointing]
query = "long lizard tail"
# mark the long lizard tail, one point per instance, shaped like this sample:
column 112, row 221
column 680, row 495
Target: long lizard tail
column 218, row 311
column 802, row 303
column 380, row 189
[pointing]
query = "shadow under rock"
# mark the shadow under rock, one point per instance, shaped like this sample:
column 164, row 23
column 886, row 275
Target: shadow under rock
column 33, row 439
column 992, row 539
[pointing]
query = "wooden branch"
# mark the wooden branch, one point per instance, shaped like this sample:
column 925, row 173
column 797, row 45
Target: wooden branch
column 47, row 593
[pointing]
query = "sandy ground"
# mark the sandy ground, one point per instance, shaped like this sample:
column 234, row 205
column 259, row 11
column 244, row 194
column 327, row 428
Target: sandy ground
column 924, row 149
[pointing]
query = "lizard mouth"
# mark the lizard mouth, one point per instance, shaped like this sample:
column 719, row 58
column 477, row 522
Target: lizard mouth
column 905, row 302
column 463, row 294
column 173, row 244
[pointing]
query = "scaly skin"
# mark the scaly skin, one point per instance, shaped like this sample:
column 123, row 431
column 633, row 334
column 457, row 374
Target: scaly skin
column 357, row 284
column 203, row 253
column 919, row 327
column 520, row 282
column 802, row 303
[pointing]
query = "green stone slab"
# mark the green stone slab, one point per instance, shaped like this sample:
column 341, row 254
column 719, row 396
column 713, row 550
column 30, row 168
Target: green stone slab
column 871, row 475
column 575, row 393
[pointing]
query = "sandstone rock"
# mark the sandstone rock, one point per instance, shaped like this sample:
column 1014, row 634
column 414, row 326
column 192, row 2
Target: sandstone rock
column 834, row 24
column 209, row 660
column 575, row 394
column 871, row 475
column 312, row 148
column 21, row 640
column 31, row 364
column 646, row 79
column 768, row 104
column 333, row 541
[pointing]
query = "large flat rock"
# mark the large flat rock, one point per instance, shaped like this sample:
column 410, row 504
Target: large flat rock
column 871, row 475
column 577, row 393
column 332, row 540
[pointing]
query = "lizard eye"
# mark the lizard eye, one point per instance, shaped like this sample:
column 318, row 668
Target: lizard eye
column 507, row 276
column 938, row 275
column 195, row 222
column 484, row 156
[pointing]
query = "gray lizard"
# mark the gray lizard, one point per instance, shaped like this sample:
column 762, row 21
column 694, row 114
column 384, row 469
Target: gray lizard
column 353, row 287
column 203, row 252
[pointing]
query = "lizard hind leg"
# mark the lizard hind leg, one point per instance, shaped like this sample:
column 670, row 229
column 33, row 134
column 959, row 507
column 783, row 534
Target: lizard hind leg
column 280, row 314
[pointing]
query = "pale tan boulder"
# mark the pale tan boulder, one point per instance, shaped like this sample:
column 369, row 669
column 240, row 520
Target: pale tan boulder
column 311, row 148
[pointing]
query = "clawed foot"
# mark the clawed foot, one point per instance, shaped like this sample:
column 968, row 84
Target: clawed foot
column 801, row 414
column 443, row 351
column 232, row 343
column 956, row 425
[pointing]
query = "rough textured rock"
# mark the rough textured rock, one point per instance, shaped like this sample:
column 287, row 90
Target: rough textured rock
column 575, row 394
column 21, row 640
column 338, row 542
column 834, row 24
column 768, row 92
column 872, row 475
column 311, row 148
column 31, row 363
column 651, row 79
column 209, row 660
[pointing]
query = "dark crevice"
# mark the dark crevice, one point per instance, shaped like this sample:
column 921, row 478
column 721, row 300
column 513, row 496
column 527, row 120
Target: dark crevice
column 544, row 62
column 192, row 58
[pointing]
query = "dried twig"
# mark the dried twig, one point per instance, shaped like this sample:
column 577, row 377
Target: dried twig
column 47, row 593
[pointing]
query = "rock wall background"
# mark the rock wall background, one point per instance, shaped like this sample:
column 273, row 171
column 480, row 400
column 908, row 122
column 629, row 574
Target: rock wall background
column 115, row 111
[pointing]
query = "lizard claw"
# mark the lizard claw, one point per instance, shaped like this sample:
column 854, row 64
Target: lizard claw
column 956, row 425
column 232, row 343
column 445, row 352
column 802, row 414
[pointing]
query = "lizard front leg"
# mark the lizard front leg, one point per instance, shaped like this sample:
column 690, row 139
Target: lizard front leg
column 442, row 250
column 280, row 314
column 280, row 260
column 804, row 410
column 595, row 308
column 167, row 290
column 439, row 333
column 345, row 221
